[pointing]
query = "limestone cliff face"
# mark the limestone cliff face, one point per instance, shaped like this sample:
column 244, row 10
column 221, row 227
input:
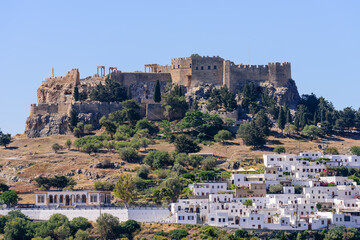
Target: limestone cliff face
column 287, row 93
column 45, row 125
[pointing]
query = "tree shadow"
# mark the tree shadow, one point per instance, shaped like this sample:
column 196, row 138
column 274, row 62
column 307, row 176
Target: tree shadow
column 295, row 137
column 275, row 142
column 11, row 148
column 231, row 143
column 333, row 138
column 263, row 148
column 353, row 136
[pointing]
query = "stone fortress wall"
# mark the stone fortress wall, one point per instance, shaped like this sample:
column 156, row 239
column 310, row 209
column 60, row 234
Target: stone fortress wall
column 193, row 71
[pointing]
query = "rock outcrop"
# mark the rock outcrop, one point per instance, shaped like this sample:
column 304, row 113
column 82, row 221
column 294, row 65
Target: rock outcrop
column 45, row 125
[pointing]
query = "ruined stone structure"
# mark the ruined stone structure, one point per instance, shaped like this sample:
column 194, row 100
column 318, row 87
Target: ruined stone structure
column 55, row 95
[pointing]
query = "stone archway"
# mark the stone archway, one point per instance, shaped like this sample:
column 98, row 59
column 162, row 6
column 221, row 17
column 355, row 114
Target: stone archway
column 67, row 200
column 83, row 198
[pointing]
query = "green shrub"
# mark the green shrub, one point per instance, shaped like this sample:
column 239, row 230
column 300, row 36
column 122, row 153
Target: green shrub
column 128, row 154
column 279, row 149
column 158, row 159
column 145, row 124
column 178, row 234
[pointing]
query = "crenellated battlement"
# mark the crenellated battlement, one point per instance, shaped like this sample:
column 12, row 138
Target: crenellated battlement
column 252, row 67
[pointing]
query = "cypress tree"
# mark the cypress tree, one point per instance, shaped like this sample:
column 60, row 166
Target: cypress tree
column 73, row 120
column 76, row 93
column 180, row 91
column 281, row 119
column 315, row 118
column 129, row 95
column 288, row 116
column 303, row 120
column 157, row 93
column 297, row 122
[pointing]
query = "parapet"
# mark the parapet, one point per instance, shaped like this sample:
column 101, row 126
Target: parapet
column 277, row 64
column 247, row 66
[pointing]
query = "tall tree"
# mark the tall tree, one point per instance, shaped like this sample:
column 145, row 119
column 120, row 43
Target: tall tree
column 263, row 123
column 76, row 93
column 157, row 92
column 73, row 119
column 288, row 116
column 125, row 189
column 129, row 94
column 281, row 119
column 315, row 119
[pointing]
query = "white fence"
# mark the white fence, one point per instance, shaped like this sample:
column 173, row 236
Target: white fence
column 138, row 214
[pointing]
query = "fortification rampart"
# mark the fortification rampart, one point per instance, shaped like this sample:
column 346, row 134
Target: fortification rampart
column 72, row 76
column 102, row 108
column 129, row 78
column 49, row 108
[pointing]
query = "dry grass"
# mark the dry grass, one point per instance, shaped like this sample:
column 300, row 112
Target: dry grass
column 23, row 151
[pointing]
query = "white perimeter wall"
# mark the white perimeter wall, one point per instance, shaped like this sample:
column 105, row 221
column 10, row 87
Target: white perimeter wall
column 138, row 214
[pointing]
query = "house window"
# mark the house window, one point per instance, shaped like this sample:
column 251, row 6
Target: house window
column 202, row 68
column 190, row 217
column 93, row 198
column 212, row 219
column 209, row 67
column 41, row 199
column 181, row 217
column 215, row 67
column 178, row 66
column 197, row 68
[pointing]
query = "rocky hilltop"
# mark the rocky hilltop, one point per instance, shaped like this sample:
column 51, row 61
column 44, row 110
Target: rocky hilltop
column 197, row 75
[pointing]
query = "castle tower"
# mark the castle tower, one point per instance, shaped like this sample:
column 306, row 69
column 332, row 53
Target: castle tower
column 279, row 73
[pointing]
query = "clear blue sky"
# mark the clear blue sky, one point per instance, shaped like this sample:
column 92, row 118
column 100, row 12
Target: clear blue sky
column 320, row 38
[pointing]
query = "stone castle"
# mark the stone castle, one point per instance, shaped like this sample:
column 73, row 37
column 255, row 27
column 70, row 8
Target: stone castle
column 194, row 71
column 55, row 95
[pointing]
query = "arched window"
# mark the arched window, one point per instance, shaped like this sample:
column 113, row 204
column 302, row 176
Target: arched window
column 51, row 199
column 55, row 198
column 83, row 198
column 61, row 199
